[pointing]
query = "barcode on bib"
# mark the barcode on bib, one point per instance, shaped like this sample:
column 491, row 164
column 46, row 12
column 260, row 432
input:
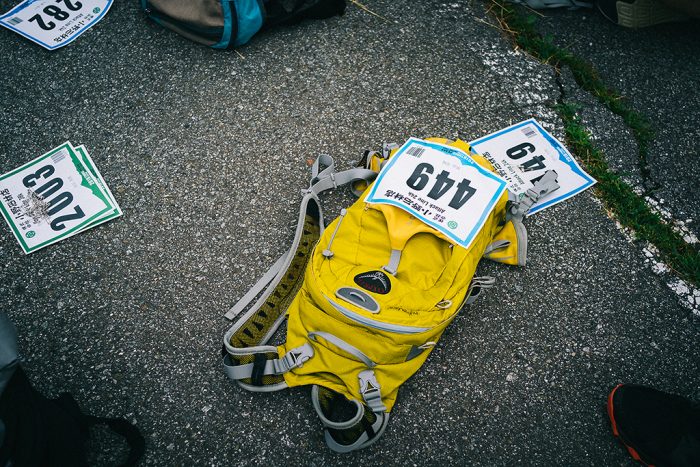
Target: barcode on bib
column 415, row 151
column 529, row 132
column 14, row 21
column 59, row 156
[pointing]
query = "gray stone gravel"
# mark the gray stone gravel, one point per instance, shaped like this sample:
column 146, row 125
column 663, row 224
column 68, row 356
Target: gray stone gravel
column 206, row 152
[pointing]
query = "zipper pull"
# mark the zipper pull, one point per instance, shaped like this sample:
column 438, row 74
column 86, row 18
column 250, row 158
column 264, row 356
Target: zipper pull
column 327, row 252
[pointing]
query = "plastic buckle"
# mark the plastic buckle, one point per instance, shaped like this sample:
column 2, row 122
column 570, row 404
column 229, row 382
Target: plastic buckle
column 371, row 391
column 369, row 386
column 296, row 358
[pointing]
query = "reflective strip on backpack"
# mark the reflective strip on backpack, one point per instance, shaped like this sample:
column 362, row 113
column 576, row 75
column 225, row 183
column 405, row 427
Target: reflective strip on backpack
column 341, row 344
column 397, row 328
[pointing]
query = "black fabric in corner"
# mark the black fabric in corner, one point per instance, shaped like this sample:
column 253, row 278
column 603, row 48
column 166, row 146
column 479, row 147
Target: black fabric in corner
column 9, row 358
column 39, row 431
column 287, row 12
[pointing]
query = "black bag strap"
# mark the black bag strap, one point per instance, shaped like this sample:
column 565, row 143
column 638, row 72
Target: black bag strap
column 288, row 12
column 42, row 430
column 120, row 426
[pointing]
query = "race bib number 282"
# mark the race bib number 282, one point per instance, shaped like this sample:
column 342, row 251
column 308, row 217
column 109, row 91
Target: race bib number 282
column 54, row 23
column 440, row 185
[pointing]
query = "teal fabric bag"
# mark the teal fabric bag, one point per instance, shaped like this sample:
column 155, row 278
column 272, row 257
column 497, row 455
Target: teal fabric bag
column 231, row 23
column 216, row 23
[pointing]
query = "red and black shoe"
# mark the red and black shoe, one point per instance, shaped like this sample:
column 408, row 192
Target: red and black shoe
column 658, row 429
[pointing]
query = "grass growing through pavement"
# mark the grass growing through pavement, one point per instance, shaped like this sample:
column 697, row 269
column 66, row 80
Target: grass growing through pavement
column 628, row 207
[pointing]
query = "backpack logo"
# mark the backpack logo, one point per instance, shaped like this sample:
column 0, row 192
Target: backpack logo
column 374, row 281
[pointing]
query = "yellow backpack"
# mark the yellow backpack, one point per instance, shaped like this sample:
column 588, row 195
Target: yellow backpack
column 366, row 299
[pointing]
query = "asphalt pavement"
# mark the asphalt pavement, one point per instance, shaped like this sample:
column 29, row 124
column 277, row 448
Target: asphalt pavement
column 206, row 152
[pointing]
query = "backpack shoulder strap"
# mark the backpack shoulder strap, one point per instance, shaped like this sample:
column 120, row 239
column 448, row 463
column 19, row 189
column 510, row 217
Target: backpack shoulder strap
column 259, row 313
column 323, row 178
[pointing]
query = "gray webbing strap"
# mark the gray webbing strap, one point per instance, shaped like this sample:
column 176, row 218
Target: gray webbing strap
column 328, row 178
column 267, row 283
column 325, row 161
column 394, row 261
column 378, row 428
column 387, row 148
column 259, row 286
column 336, row 179
column 276, row 272
column 521, row 233
column 322, row 179
column 497, row 245
column 371, row 391
column 292, row 359
column 476, row 286
column 328, row 252
column 545, row 185
column 341, row 344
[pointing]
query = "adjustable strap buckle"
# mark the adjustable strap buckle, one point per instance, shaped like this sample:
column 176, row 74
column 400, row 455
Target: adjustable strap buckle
column 387, row 148
column 371, row 391
column 545, row 185
column 295, row 358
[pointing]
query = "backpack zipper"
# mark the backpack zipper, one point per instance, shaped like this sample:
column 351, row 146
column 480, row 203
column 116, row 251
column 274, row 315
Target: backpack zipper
column 358, row 318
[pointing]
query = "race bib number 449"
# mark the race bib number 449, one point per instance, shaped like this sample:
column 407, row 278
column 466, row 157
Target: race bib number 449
column 54, row 23
column 440, row 185
column 523, row 153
